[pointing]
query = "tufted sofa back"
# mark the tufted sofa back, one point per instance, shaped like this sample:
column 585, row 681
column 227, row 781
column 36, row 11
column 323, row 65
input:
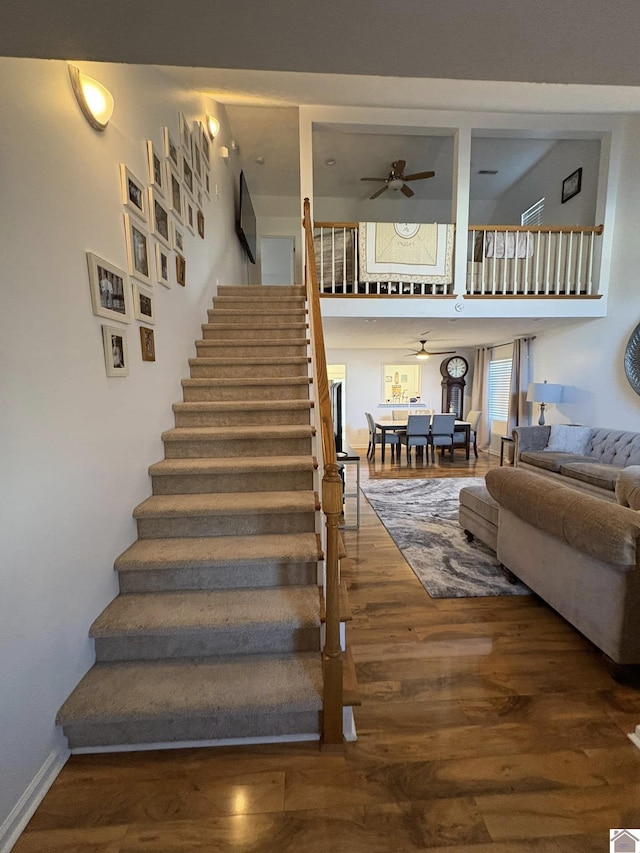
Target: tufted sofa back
column 615, row 447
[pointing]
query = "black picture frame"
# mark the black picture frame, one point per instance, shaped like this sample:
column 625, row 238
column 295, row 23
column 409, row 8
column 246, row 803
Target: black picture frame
column 572, row 185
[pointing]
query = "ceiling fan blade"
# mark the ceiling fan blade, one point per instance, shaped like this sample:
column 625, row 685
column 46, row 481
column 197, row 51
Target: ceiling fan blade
column 441, row 352
column 418, row 176
column 373, row 179
column 405, row 190
column 376, row 194
column 398, row 166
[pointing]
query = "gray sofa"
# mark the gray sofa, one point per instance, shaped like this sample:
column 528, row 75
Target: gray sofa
column 604, row 453
column 577, row 552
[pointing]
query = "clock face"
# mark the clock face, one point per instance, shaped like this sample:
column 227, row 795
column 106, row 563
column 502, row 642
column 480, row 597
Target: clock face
column 456, row 367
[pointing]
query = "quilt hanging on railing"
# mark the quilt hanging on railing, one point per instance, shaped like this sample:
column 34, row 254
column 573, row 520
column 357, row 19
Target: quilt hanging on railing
column 406, row 251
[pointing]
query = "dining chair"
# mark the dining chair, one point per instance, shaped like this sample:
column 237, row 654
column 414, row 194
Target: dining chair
column 442, row 433
column 398, row 414
column 377, row 437
column 473, row 419
column 416, row 434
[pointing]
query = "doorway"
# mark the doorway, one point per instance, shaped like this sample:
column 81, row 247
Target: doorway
column 277, row 260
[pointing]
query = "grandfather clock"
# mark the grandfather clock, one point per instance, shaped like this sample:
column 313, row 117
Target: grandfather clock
column 453, row 371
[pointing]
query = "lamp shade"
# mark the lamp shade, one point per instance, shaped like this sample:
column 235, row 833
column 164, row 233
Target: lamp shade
column 543, row 392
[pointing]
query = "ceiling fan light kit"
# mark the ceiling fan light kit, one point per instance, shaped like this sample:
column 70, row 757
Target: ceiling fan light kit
column 396, row 180
column 423, row 354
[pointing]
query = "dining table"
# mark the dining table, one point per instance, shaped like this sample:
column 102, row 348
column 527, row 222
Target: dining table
column 386, row 425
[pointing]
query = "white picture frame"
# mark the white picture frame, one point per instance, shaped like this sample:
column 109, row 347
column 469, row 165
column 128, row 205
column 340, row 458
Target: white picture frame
column 138, row 249
column 197, row 160
column 187, row 176
column 190, row 216
column 143, row 304
column 110, row 289
column 157, row 173
column 159, row 218
column 134, row 195
column 206, row 183
column 205, row 144
column 177, row 240
column 185, row 136
column 163, row 265
column 175, row 193
column 171, row 148
column 116, row 354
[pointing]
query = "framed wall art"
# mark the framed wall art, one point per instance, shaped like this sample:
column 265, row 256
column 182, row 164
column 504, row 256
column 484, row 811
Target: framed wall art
column 110, row 290
column 147, row 344
column 190, row 216
column 157, row 175
column 137, row 249
column 204, row 144
column 143, row 304
column 174, row 192
column 162, row 265
column 185, row 136
column 134, row 194
column 178, row 238
column 207, row 183
column 187, row 176
column 171, row 151
column 201, row 224
column 116, row 356
column 181, row 269
column 572, row 185
column 159, row 218
column 197, row 161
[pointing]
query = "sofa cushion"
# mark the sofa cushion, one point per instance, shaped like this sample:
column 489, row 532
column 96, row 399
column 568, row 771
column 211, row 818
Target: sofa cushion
column 594, row 473
column 615, row 447
column 628, row 487
column 567, row 438
column 478, row 500
column 551, row 460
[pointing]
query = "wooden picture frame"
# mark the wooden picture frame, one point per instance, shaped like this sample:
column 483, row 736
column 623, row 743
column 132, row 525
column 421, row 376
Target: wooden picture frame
column 181, row 270
column 116, row 355
column 171, row 149
column 110, row 290
column 175, row 194
column 147, row 344
column 159, row 218
column 143, row 308
column 163, row 265
column 157, row 174
column 572, row 185
column 134, row 194
column 138, row 254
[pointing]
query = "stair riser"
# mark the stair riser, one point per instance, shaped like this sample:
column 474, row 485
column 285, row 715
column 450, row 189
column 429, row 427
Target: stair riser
column 243, row 417
column 251, row 641
column 250, row 349
column 255, row 481
column 262, row 318
column 265, row 574
column 243, row 724
column 226, row 525
column 230, row 393
column 217, row 448
column 258, row 291
column 239, row 333
column 247, row 371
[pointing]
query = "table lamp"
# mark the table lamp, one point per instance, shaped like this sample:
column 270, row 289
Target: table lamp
column 543, row 393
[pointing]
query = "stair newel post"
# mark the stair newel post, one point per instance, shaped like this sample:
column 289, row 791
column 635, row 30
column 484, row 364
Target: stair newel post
column 332, row 652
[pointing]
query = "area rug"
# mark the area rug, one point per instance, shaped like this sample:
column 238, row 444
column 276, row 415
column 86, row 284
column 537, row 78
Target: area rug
column 421, row 517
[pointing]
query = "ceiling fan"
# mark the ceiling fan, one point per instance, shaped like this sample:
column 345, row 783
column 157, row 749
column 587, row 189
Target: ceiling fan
column 423, row 354
column 397, row 180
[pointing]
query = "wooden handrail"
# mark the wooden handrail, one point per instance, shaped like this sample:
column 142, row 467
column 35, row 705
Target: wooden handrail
column 331, row 501
column 336, row 224
column 546, row 229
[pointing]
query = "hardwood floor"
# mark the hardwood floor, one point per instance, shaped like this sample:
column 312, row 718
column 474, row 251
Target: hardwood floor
column 485, row 725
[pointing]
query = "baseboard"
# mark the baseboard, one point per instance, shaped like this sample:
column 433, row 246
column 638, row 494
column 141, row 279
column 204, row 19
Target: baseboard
column 193, row 744
column 20, row 815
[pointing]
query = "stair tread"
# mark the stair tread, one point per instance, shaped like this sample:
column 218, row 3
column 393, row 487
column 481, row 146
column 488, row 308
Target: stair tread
column 212, row 382
column 198, row 552
column 232, row 464
column 152, row 690
column 301, row 325
column 242, row 405
column 163, row 613
column 211, row 359
column 266, row 431
column 226, row 503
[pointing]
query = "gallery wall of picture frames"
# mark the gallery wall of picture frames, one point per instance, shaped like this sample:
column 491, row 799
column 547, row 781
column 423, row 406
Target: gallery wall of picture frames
column 158, row 209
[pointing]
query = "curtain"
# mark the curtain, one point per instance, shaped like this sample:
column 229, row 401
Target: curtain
column 480, row 395
column 520, row 377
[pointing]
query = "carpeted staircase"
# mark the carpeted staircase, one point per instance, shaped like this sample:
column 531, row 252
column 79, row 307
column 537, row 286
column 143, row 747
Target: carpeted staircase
column 216, row 631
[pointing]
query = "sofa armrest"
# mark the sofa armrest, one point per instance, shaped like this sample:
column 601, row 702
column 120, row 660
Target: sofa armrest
column 604, row 530
column 529, row 438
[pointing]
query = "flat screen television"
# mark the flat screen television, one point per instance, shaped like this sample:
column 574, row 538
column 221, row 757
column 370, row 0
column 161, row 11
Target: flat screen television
column 246, row 225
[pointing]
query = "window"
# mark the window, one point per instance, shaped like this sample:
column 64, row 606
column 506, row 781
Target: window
column 499, row 386
column 533, row 214
column 400, row 383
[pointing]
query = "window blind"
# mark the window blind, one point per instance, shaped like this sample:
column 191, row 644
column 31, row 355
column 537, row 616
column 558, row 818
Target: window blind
column 499, row 385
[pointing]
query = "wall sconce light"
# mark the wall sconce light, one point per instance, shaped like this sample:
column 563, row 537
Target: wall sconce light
column 213, row 127
column 543, row 393
column 95, row 101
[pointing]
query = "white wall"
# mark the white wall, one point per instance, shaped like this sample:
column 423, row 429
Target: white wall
column 76, row 444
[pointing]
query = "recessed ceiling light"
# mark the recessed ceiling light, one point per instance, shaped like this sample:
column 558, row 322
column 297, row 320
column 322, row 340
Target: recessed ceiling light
column 330, row 161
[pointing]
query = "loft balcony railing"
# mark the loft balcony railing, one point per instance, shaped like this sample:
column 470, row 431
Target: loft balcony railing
column 502, row 261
